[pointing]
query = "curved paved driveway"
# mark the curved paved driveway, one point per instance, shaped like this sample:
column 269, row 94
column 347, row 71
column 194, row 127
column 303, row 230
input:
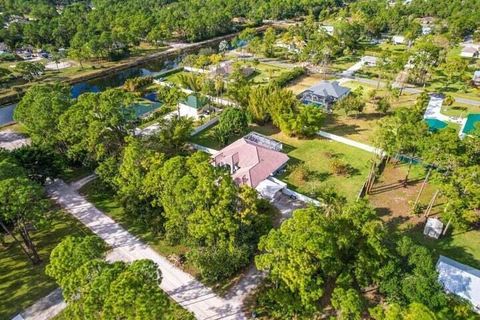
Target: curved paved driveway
column 180, row 286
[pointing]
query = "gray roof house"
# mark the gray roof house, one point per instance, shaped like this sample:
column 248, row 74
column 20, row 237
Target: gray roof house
column 324, row 93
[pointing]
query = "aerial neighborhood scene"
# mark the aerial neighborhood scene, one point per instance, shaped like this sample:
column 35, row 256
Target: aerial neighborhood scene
column 239, row 159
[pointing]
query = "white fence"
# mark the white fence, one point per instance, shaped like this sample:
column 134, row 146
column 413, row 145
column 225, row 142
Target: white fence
column 204, row 126
column 352, row 143
column 197, row 70
column 204, row 149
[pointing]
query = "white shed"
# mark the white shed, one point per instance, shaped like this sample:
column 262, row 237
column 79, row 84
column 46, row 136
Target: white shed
column 433, row 228
column 398, row 40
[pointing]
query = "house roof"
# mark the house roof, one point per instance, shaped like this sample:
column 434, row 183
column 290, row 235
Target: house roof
column 460, row 279
column 329, row 89
column 226, row 68
column 195, row 102
column 249, row 162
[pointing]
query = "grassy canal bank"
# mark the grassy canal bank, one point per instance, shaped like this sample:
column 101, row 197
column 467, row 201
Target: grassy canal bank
column 106, row 68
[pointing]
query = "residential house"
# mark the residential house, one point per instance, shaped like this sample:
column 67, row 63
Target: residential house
column 476, row 78
column 460, row 280
column 470, row 51
column 226, row 68
column 251, row 159
column 194, row 107
column 398, row 40
column 325, row 93
column 328, row 29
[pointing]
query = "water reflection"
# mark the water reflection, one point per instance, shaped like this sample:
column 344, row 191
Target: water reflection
column 114, row 80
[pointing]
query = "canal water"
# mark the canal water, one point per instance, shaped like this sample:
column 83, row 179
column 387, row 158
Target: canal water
column 116, row 79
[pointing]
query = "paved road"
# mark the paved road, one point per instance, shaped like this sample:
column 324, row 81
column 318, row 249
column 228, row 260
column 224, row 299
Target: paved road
column 45, row 308
column 11, row 140
column 77, row 185
column 179, row 285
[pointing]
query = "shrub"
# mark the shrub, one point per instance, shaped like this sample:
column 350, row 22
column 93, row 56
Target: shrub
column 339, row 167
column 288, row 76
column 382, row 105
column 219, row 262
column 135, row 84
column 8, row 57
column 301, row 173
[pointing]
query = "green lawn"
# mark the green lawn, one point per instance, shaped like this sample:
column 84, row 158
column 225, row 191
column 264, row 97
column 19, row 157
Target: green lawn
column 344, row 62
column 21, row 283
column 104, row 200
column 317, row 156
column 265, row 73
column 459, row 110
column 461, row 246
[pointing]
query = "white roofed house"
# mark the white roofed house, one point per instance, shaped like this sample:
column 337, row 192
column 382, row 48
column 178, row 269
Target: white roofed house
column 460, row 280
column 324, row 93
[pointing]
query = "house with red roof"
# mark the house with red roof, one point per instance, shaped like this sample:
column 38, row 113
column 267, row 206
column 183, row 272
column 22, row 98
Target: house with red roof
column 251, row 159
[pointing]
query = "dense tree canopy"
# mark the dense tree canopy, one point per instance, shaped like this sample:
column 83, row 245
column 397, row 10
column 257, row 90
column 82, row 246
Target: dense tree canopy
column 313, row 251
column 95, row 289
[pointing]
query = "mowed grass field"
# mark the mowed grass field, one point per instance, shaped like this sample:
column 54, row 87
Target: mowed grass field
column 21, row 283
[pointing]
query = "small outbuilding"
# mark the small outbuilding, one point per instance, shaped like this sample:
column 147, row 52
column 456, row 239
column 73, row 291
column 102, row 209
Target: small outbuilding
column 460, row 280
column 398, row 40
column 476, row 78
column 433, row 228
column 193, row 106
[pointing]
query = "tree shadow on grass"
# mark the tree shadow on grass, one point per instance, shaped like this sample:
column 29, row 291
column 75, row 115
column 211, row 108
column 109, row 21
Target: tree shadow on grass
column 444, row 246
column 343, row 129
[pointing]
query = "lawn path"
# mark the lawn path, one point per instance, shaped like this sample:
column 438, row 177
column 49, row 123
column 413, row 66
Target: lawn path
column 180, row 286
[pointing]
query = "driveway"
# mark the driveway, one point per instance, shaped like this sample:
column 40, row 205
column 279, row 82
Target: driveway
column 11, row 140
column 179, row 285
column 286, row 205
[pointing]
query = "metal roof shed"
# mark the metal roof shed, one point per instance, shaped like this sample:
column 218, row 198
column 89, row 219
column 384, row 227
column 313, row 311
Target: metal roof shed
column 460, row 279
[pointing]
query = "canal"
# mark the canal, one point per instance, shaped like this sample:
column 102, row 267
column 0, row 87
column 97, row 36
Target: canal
column 114, row 80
